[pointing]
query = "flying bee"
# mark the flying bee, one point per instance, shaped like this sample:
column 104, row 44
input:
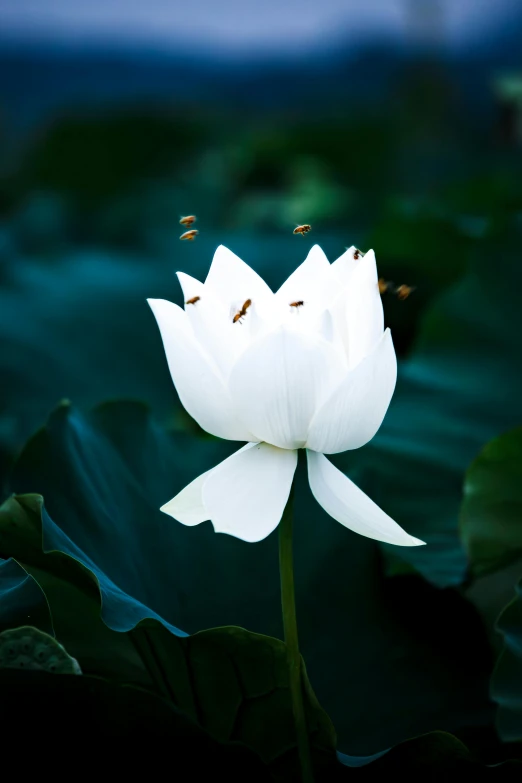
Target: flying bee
column 383, row 284
column 188, row 221
column 190, row 235
column 304, row 229
column 193, row 300
column 297, row 304
column 241, row 313
column 404, row 291
column 358, row 254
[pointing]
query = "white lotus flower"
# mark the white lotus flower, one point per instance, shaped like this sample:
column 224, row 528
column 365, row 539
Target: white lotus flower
column 318, row 376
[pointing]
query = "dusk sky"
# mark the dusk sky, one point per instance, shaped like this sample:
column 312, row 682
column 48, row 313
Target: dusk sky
column 236, row 25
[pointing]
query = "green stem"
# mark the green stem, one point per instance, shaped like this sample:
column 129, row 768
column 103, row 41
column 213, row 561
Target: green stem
column 286, row 569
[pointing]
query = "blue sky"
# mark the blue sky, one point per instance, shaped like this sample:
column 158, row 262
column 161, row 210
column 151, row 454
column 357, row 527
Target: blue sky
column 239, row 25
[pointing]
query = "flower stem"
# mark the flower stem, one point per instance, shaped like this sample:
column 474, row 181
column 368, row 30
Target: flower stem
column 286, row 569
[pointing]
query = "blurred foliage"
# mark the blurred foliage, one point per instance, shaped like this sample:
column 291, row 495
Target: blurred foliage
column 123, row 174
column 507, row 677
column 95, row 158
column 491, row 512
column 491, row 529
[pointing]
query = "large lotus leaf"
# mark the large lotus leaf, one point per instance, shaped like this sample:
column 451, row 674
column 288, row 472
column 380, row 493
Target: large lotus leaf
column 506, row 685
column 460, row 387
column 491, row 511
column 381, row 655
column 232, row 682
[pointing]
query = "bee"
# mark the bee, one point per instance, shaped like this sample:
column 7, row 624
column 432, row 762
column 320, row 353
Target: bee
column 241, row 313
column 358, row 254
column 300, row 303
column 384, row 285
column 188, row 221
column 190, row 235
column 404, row 291
column 193, row 300
column 304, row 229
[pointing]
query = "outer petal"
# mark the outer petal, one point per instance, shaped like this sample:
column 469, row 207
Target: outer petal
column 280, row 381
column 346, row 503
column 198, row 382
column 234, row 282
column 308, row 282
column 353, row 413
column 211, row 323
column 187, row 507
column 363, row 307
column 245, row 496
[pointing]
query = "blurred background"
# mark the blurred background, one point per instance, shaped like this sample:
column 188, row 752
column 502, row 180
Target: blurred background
column 392, row 124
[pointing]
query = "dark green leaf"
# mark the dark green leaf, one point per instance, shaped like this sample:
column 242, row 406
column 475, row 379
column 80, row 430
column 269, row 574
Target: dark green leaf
column 232, row 682
column 491, row 511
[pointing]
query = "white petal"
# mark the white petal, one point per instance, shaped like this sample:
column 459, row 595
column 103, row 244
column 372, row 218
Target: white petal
column 197, row 379
column 187, row 507
column 245, row 496
column 346, row 503
column 211, row 323
column 341, row 271
column 191, row 287
column 363, row 306
column 342, row 268
column 308, row 282
column 353, row 413
column 234, row 282
column 280, row 381
column 325, row 326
